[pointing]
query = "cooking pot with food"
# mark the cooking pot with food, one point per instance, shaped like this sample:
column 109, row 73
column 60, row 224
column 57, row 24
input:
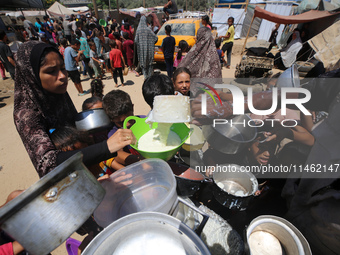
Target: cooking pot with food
column 268, row 234
column 233, row 187
column 147, row 233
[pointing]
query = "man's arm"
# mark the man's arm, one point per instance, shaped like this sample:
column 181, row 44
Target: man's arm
column 11, row 60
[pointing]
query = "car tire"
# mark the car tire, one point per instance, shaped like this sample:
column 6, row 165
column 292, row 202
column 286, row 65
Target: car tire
column 304, row 66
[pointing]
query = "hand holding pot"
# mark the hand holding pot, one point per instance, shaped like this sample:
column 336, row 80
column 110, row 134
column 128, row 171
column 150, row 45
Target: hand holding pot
column 120, row 139
column 213, row 111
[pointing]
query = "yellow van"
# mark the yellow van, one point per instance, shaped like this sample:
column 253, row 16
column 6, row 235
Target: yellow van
column 181, row 29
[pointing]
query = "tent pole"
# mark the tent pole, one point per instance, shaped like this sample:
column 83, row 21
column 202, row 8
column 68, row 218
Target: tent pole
column 192, row 5
column 117, row 7
column 251, row 23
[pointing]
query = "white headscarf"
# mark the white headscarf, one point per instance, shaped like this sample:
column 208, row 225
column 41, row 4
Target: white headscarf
column 288, row 55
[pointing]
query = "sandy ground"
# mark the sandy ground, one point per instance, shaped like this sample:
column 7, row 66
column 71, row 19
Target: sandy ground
column 17, row 171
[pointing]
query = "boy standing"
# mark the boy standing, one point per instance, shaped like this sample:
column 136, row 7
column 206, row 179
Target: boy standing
column 71, row 59
column 94, row 61
column 168, row 48
column 116, row 58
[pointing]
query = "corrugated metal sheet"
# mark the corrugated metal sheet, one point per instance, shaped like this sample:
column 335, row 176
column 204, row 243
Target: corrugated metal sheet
column 267, row 26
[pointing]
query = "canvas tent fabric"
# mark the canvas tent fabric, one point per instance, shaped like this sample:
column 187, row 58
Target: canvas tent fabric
column 247, row 20
column 220, row 20
column 327, row 47
column 58, row 9
column 22, row 4
column 294, row 19
column 267, row 26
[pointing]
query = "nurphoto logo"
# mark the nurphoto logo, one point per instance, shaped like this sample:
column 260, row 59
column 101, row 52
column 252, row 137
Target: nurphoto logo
column 239, row 102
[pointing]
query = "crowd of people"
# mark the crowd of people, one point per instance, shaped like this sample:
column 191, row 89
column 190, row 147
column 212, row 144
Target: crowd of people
column 44, row 113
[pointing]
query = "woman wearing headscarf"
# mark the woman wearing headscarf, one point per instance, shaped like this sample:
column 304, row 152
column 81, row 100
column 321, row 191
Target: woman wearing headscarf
column 202, row 60
column 145, row 40
column 287, row 56
column 41, row 103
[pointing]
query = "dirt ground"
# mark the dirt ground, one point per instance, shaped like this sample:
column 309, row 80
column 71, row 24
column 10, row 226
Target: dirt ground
column 17, row 171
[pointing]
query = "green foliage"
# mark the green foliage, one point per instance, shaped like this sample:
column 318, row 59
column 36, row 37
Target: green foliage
column 48, row 3
column 200, row 5
column 104, row 4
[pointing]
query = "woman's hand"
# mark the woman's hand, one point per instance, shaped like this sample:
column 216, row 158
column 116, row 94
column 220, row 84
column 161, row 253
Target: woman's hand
column 120, row 139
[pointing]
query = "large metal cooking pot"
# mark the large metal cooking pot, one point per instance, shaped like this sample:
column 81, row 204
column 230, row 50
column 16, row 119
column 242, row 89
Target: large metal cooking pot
column 148, row 185
column 232, row 137
column 234, row 188
column 48, row 212
column 275, row 235
column 188, row 180
column 92, row 120
column 289, row 78
column 147, row 233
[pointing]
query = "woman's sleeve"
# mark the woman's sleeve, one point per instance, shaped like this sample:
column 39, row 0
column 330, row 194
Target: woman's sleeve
column 33, row 132
column 41, row 150
column 91, row 155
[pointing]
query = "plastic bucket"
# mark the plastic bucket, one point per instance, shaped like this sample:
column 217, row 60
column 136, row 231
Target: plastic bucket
column 102, row 22
column 140, row 128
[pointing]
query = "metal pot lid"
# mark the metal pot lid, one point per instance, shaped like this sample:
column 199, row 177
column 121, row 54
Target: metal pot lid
column 60, row 172
column 147, row 233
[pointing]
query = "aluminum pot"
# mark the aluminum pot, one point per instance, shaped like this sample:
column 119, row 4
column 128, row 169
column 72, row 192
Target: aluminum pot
column 147, row 233
column 268, row 232
column 92, row 120
column 48, row 212
column 234, row 188
column 106, row 55
column 232, row 137
column 289, row 78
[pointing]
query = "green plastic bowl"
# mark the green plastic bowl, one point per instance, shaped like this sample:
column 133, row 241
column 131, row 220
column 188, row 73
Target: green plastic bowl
column 140, row 128
column 102, row 22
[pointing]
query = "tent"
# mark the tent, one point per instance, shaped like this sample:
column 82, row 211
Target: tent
column 220, row 20
column 294, row 19
column 327, row 47
column 267, row 26
column 305, row 17
column 58, row 10
column 14, row 4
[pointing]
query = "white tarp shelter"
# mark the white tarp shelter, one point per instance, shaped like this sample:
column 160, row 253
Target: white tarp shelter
column 220, row 20
column 57, row 8
column 267, row 26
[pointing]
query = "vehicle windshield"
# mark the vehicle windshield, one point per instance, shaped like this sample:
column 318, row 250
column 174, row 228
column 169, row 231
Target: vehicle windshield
column 179, row 29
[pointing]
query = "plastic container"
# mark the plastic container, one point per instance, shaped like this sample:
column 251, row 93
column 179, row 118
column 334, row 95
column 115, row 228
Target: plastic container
column 102, row 22
column 140, row 128
column 148, row 185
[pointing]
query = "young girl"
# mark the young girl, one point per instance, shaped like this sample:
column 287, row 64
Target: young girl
column 97, row 88
column 181, row 80
column 228, row 40
column 63, row 45
column 183, row 49
column 206, row 21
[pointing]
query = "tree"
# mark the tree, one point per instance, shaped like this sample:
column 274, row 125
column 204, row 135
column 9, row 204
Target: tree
column 48, row 3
